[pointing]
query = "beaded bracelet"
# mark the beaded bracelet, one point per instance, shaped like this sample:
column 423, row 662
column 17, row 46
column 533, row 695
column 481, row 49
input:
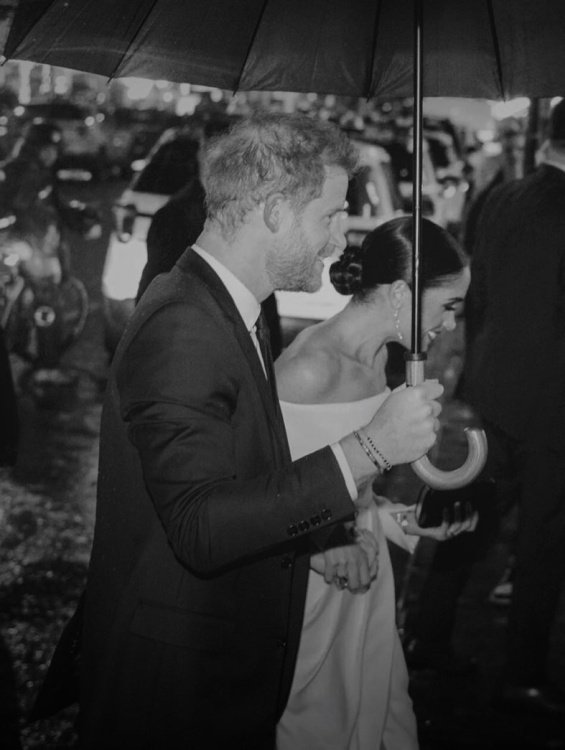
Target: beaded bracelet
column 386, row 465
column 367, row 450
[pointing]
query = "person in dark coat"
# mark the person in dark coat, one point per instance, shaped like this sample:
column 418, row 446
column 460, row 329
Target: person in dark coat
column 516, row 382
column 204, row 526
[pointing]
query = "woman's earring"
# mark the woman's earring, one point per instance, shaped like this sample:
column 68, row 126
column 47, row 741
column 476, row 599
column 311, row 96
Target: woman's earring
column 397, row 325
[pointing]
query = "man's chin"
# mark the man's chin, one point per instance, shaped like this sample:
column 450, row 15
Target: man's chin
column 315, row 284
column 312, row 286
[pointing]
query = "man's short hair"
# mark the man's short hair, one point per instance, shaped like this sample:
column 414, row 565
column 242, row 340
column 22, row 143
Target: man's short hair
column 268, row 153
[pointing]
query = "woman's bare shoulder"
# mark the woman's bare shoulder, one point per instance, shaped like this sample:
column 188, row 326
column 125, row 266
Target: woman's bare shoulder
column 306, row 371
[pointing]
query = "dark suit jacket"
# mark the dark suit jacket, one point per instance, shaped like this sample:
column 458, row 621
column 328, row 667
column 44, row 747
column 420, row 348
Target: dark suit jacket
column 198, row 574
column 516, row 367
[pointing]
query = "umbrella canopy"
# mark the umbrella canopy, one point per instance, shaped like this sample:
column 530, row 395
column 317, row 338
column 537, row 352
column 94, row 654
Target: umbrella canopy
column 360, row 48
column 363, row 48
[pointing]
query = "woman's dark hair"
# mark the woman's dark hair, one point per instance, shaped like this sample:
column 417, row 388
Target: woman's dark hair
column 386, row 256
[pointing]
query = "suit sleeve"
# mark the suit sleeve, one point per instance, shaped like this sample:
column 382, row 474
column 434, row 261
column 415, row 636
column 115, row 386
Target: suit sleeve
column 183, row 407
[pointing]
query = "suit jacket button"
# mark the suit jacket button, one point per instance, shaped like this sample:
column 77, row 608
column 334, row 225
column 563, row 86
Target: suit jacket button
column 292, row 530
column 286, row 562
column 326, row 514
column 315, row 520
column 303, row 526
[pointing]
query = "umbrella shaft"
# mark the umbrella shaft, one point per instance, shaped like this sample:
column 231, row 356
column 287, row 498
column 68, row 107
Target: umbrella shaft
column 417, row 176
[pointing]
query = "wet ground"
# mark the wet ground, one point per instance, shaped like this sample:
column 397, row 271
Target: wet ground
column 46, row 524
column 47, row 512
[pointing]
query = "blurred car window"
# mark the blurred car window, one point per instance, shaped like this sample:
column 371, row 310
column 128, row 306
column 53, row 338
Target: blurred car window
column 54, row 110
column 130, row 134
column 83, row 145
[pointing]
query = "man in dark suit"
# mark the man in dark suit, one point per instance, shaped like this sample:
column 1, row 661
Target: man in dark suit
column 516, row 381
column 204, row 526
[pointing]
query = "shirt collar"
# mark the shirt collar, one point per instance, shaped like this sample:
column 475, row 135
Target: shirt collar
column 247, row 305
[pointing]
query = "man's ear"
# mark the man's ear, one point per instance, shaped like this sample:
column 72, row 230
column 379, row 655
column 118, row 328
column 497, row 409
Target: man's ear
column 273, row 210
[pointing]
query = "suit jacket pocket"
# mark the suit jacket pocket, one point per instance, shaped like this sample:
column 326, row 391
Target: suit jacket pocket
column 181, row 628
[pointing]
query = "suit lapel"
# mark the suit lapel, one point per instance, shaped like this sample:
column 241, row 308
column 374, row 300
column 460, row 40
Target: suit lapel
column 191, row 263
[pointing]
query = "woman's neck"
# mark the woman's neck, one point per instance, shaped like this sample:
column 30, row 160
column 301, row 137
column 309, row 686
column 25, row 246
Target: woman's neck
column 360, row 332
column 339, row 360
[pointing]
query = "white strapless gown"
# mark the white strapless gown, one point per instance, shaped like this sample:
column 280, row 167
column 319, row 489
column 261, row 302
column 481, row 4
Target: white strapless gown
column 350, row 688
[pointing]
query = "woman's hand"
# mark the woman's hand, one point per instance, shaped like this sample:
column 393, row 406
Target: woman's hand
column 352, row 566
column 465, row 522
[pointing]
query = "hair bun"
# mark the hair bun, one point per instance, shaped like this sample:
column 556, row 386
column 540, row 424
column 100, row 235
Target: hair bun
column 346, row 274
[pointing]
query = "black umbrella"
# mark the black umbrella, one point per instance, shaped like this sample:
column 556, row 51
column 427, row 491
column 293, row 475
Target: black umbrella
column 490, row 49
column 363, row 48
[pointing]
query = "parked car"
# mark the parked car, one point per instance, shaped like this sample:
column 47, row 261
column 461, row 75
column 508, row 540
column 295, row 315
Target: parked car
column 372, row 198
column 83, row 148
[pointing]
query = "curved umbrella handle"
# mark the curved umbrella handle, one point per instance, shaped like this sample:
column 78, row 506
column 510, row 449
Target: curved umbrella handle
column 438, row 479
column 435, row 478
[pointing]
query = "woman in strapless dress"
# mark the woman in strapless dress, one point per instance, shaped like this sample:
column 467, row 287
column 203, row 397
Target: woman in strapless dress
column 350, row 688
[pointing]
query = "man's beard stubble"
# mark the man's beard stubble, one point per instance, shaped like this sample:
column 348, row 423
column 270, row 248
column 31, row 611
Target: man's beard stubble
column 291, row 266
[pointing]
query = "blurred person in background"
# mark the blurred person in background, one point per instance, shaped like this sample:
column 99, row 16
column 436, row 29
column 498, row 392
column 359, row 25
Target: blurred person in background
column 515, row 379
column 491, row 170
column 488, row 172
column 29, row 191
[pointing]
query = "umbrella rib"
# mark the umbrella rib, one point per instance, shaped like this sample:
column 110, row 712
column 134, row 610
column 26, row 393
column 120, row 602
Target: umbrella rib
column 132, row 40
column 374, row 48
column 250, row 45
column 496, row 45
column 11, row 42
